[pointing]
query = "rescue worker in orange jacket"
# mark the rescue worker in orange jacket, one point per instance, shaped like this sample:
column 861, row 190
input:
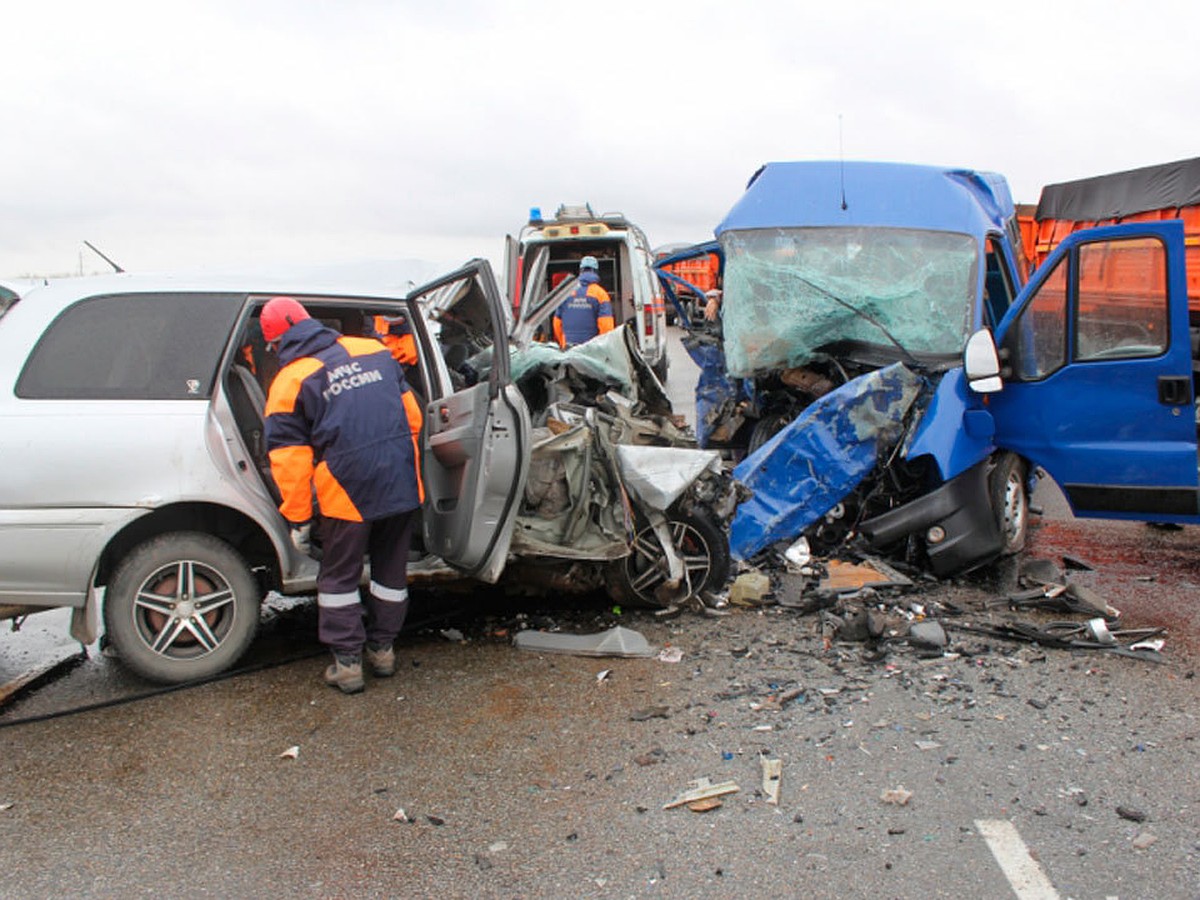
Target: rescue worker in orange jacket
column 587, row 312
column 396, row 334
column 341, row 418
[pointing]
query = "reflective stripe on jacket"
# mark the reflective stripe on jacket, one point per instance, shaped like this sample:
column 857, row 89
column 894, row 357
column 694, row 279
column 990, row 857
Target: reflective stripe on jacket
column 341, row 417
column 584, row 314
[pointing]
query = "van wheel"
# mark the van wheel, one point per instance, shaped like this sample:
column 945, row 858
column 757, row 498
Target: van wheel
column 660, row 367
column 182, row 606
column 1010, row 501
column 766, row 428
column 640, row 577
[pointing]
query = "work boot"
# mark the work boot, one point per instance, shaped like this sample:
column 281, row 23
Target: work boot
column 382, row 660
column 345, row 674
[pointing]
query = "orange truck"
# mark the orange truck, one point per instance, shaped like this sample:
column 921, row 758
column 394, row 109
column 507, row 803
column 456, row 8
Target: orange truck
column 1165, row 191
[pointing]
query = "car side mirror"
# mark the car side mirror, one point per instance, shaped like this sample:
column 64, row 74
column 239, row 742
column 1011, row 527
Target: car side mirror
column 981, row 363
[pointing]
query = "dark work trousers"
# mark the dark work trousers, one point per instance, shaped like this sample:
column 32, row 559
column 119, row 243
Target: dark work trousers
column 385, row 542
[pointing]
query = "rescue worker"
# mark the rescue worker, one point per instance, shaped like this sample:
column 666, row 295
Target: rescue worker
column 587, row 312
column 396, row 334
column 341, row 418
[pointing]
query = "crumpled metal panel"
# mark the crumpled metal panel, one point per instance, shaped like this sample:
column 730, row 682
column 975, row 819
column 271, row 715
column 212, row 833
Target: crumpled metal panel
column 808, row 467
column 658, row 476
column 717, row 395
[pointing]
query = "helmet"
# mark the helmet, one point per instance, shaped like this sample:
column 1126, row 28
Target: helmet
column 589, row 262
column 280, row 314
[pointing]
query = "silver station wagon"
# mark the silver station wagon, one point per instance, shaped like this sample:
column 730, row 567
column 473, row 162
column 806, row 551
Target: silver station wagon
column 134, row 484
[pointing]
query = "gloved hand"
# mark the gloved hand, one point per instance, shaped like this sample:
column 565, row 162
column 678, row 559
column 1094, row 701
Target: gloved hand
column 301, row 535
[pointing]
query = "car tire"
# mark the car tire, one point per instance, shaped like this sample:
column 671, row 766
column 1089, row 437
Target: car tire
column 766, row 428
column 168, row 633
column 1010, row 501
column 637, row 578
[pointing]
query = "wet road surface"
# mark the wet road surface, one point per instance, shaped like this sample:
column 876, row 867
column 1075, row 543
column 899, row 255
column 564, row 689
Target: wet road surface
column 529, row 775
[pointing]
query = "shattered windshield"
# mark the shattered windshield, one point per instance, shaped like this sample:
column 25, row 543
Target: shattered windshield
column 789, row 291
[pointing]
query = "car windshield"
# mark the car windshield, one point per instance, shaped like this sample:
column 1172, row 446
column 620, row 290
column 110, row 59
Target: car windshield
column 790, row 291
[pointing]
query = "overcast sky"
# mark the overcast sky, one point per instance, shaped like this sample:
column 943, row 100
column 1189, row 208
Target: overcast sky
column 225, row 135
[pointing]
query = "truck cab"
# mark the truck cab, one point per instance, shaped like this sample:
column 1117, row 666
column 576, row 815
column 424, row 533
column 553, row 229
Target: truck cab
column 542, row 263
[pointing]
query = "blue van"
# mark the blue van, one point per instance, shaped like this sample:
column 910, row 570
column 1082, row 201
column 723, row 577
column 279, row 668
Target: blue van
column 852, row 291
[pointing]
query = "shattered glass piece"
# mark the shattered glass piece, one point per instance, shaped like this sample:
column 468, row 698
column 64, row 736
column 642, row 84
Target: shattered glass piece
column 808, row 467
column 790, row 291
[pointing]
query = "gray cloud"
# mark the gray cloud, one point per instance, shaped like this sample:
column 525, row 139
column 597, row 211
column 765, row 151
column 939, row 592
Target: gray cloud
column 226, row 134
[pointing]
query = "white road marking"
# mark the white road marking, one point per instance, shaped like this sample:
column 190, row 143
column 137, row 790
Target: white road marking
column 1025, row 876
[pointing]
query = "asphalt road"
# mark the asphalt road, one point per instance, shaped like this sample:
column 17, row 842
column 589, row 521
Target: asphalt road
column 530, row 775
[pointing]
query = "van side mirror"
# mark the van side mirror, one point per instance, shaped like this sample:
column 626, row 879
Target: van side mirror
column 981, row 363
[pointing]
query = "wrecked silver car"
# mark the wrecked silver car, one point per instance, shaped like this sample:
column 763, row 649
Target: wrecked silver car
column 619, row 497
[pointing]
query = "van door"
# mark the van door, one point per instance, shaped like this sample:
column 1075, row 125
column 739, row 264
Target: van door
column 1098, row 379
column 475, row 443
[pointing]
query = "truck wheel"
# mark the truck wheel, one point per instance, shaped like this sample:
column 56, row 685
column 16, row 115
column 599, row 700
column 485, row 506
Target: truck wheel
column 182, row 606
column 705, row 550
column 1010, row 501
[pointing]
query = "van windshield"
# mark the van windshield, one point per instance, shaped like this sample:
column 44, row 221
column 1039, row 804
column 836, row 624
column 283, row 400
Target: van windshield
column 790, row 291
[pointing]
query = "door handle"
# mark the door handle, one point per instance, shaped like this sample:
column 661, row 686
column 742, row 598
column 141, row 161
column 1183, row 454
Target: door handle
column 1174, row 390
column 444, row 414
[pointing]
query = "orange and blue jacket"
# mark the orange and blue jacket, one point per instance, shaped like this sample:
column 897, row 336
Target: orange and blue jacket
column 397, row 336
column 584, row 314
column 341, row 417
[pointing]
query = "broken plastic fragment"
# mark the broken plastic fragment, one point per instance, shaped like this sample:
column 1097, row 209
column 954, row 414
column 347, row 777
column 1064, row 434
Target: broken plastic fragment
column 799, row 554
column 1155, row 645
column 702, row 789
column 290, row 753
column 617, row 641
column 772, row 773
column 749, row 588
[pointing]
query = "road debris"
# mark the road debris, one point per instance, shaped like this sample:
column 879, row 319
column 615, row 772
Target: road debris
column 1133, row 815
column 843, row 576
column 750, row 588
column 290, row 753
column 1144, row 840
column 650, row 712
column 772, row 773
column 670, row 655
column 896, row 796
column 702, row 790
column 401, row 816
column 617, row 641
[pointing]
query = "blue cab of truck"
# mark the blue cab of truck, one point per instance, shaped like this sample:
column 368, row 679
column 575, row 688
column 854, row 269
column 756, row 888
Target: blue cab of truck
column 853, row 294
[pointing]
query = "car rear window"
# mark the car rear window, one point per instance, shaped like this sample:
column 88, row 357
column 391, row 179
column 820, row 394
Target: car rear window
column 132, row 346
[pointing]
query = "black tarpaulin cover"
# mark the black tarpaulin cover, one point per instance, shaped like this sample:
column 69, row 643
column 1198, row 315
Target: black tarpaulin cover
column 1165, row 186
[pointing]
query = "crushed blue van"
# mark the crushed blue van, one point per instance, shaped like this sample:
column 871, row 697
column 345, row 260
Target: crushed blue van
column 851, row 293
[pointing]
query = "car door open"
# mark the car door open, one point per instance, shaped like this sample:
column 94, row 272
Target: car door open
column 475, row 447
column 1098, row 374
